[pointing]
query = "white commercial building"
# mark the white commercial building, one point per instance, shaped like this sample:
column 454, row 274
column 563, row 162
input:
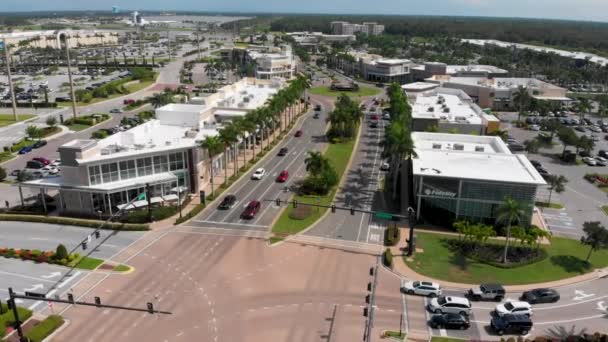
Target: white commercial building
column 346, row 28
column 450, row 111
column 372, row 67
column 101, row 176
column 312, row 40
column 270, row 62
column 54, row 39
column 458, row 176
column 430, row 69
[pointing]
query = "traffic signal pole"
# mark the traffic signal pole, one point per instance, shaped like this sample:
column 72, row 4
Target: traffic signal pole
column 13, row 305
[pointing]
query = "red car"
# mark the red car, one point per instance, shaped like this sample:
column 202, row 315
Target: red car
column 283, row 176
column 251, row 210
column 375, row 117
column 42, row 160
column 298, row 134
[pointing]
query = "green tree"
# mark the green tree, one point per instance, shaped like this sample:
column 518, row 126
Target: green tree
column 568, row 138
column 2, row 174
column 214, row 146
column 482, row 232
column 32, row 131
column 557, row 183
column 532, row 145
column 61, row 252
column 315, row 162
column 521, row 98
column 509, row 212
column 596, row 237
column 51, row 121
column 583, row 107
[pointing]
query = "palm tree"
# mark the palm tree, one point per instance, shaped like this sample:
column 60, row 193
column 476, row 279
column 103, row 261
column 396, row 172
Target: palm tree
column 160, row 99
column 32, row 132
column 521, row 97
column 557, row 183
column 509, row 212
column 214, row 146
column 315, row 162
column 399, row 145
column 230, row 136
column 583, row 107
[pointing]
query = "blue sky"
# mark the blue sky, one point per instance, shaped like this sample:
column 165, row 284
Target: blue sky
column 562, row 9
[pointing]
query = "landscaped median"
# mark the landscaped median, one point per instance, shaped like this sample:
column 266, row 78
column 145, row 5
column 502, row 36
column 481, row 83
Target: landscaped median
column 74, row 222
column 564, row 258
column 361, row 92
column 34, row 330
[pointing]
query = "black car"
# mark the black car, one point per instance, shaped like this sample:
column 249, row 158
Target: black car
column 542, row 295
column 450, row 321
column 228, row 202
column 584, row 153
column 580, row 129
column 536, row 163
column 602, row 153
column 283, row 151
column 317, row 108
column 39, row 144
column 519, row 324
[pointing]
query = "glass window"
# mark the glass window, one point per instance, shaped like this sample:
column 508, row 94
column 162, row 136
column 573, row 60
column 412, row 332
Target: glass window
column 127, row 169
column 144, row 167
column 160, row 164
column 109, row 172
column 176, row 161
column 94, row 175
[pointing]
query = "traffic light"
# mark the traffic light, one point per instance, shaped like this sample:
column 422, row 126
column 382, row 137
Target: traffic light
column 84, row 245
column 352, row 211
column 150, row 307
column 97, row 234
column 295, row 204
column 365, row 311
column 277, row 202
column 9, row 304
column 97, row 301
column 333, row 208
column 367, row 299
column 71, row 298
column 369, row 286
column 371, row 271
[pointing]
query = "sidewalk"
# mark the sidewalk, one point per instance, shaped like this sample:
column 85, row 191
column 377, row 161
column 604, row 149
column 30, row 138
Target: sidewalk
column 401, row 269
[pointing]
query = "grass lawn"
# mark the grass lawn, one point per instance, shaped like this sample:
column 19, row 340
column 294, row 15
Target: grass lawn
column 139, row 86
column 274, row 239
column 338, row 155
column 446, row 339
column 8, row 119
column 395, row 335
column 605, row 209
column 566, row 258
column 77, row 127
column 552, row 205
column 363, row 91
column 87, row 263
column 4, row 156
column 121, row 268
column 48, row 131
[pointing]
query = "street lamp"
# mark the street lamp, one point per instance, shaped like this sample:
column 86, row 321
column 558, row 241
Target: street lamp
column 411, row 219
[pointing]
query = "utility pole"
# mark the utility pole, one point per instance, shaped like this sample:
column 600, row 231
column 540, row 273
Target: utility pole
column 13, row 305
column 10, row 78
column 67, row 52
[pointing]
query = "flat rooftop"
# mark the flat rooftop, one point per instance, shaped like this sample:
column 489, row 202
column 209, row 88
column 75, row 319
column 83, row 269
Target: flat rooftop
column 482, row 158
column 453, row 69
column 496, row 83
column 419, row 86
column 447, row 105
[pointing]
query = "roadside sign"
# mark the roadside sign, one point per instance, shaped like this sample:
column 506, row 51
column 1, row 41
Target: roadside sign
column 382, row 215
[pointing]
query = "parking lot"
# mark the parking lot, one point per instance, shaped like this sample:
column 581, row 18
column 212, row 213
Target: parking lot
column 582, row 200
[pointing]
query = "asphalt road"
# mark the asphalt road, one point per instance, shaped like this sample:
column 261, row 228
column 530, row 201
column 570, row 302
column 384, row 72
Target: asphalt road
column 247, row 190
column 359, row 191
column 223, row 288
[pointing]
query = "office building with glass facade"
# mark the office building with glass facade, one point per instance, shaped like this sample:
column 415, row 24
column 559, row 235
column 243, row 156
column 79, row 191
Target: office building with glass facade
column 468, row 177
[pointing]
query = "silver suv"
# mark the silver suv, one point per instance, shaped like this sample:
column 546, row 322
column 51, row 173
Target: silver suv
column 487, row 292
column 444, row 304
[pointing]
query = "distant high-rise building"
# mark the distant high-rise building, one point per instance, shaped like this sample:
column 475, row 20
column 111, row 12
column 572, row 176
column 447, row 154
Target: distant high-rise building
column 346, row 28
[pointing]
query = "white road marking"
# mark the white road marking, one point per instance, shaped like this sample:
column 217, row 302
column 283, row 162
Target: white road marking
column 25, row 276
column 581, row 295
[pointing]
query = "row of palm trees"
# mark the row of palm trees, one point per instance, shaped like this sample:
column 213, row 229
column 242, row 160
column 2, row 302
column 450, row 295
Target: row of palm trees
column 276, row 116
column 345, row 118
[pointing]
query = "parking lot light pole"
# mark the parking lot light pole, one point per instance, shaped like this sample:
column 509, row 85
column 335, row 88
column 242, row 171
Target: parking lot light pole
column 10, row 78
column 67, row 52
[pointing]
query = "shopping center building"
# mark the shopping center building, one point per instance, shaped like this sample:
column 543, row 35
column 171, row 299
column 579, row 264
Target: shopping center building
column 99, row 177
column 458, row 176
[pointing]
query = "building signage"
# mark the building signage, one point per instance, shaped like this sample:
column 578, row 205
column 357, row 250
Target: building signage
column 439, row 193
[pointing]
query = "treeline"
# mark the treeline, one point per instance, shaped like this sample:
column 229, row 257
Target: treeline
column 572, row 34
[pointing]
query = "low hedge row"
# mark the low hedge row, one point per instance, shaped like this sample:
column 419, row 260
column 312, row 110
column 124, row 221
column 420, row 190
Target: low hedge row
column 44, row 328
column 73, row 222
column 492, row 253
column 36, row 255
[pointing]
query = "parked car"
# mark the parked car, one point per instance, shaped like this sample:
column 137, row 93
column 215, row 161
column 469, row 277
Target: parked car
column 519, row 324
column 584, row 153
column 258, row 174
column 595, row 129
column 39, row 174
column 56, row 163
column 589, row 161
column 116, row 111
column 450, row 321
column 16, row 172
column 39, row 144
column 487, row 292
column 316, row 115
column 599, row 161
column 602, row 153
column 580, row 128
column 42, row 160
column 298, row 133
column 283, row 176
column 535, row 163
column 514, row 307
column 34, row 164
column 283, row 151
column 535, row 128
column 444, row 304
column 386, row 116
column 373, row 124
column 228, row 202
column 424, row 288
column 25, row 149
column 542, row 295
column 251, row 210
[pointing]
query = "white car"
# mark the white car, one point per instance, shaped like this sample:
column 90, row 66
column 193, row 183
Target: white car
column 595, row 129
column 601, row 161
column 514, row 307
column 258, row 174
column 535, row 128
column 443, row 304
column 589, row 161
column 424, row 288
column 56, row 163
column 385, row 166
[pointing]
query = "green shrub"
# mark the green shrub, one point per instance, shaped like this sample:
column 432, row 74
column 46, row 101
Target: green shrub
column 195, row 211
column 61, row 252
column 101, row 134
column 45, row 328
column 73, row 222
column 391, row 236
column 387, row 258
column 2, row 174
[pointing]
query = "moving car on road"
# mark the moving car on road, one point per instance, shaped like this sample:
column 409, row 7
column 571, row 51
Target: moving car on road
column 283, row 151
column 25, row 149
column 227, row 203
column 487, row 292
column 542, row 295
column 444, row 304
column 116, row 111
column 251, row 210
column 298, row 133
column 514, row 307
column 258, row 174
column 519, row 324
column 450, row 321
column 424, row 288
column 39, row 144
column 283, row 176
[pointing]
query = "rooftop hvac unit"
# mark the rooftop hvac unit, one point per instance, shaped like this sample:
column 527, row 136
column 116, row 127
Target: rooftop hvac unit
column 446, row 109
column 479, row 148
column 431, row 109
column 458, row 147
column 105, row 151
column 191, row 134
column 167, row 143
column 436, row 146
column 139, row 146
